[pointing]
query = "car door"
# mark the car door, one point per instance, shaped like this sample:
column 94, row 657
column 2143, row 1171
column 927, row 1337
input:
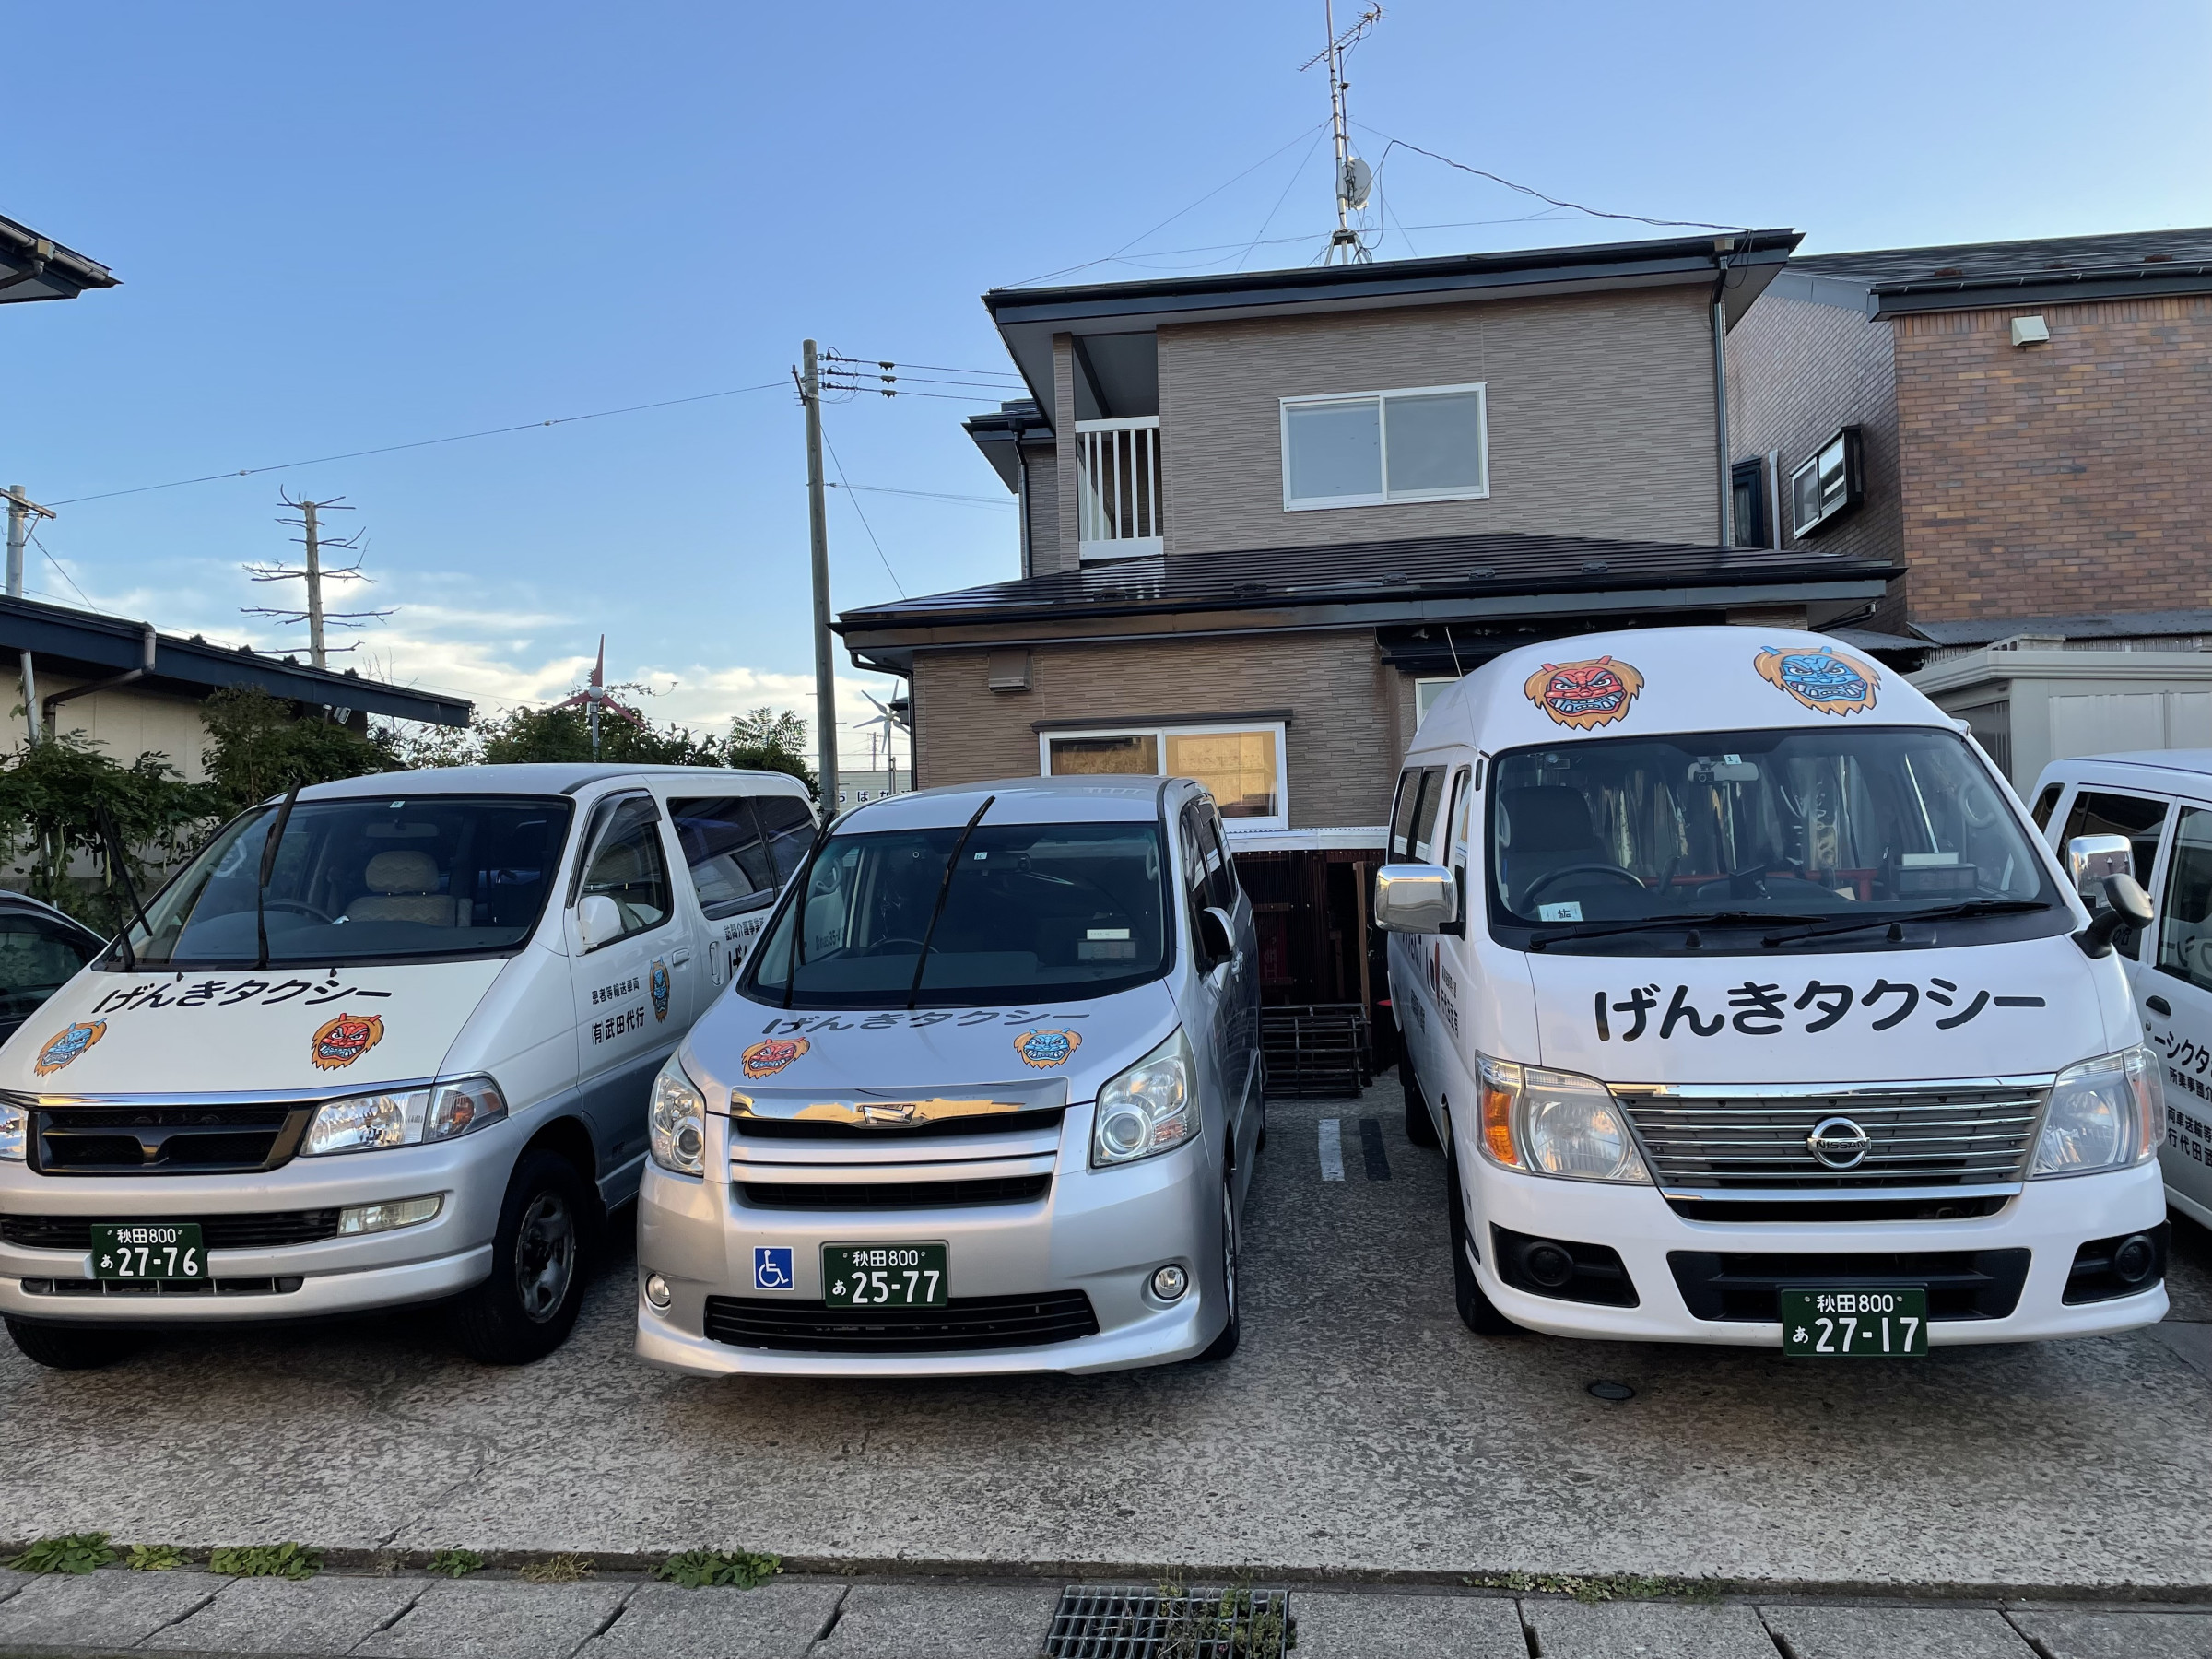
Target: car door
column 1451, row 959
column 1242, row 992
column 633, row 995
column 2173, row 994
column 2100, row 810
column 1209, row 1020
column 1413, row 840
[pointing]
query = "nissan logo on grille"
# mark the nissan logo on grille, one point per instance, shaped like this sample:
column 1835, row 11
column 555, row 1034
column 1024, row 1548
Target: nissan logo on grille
column 1839, row 1143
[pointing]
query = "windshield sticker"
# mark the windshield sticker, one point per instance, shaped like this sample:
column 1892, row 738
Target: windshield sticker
column 66, row 1045
column 1824, row 679
column 791, row 1025
column 224, row 993
column 660, row 989
column 1045, row 1050
column 1586, row 694
column 766, row 1059
column 339, row 1042
column 1759, row 1010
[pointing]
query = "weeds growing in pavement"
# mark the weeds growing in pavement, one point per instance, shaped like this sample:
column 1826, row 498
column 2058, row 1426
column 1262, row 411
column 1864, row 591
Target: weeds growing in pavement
column 72, row 1552
column 266, row 1560
column 455, row 1563
column 1603, row 1587
column 557, row 1570
column 156, row 1557
column 695, row 1568
column 1226, row 1624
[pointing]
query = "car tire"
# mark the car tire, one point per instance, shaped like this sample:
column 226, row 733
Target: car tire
column 528, row 1305
column 1420, row 1128
column 1476, row 1311
column 69, row 1348
column 1223, row 1346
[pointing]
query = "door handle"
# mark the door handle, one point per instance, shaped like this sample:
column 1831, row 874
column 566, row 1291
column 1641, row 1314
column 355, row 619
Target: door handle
column 680, row 956
column 2159, row 1005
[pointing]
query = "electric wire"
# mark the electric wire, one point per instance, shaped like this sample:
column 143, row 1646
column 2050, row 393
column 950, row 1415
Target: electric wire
column 1528, row 190
column 926, row 495
column 62, row 573
column 863, row 517
column 1292, row 184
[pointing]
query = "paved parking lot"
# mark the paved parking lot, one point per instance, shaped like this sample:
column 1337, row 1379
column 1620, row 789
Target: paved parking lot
column 1359, row 1428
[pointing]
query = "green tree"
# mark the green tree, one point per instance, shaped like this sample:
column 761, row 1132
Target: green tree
column 51, row 798
column 559, row 733
column 259, row 747
column 768, row 741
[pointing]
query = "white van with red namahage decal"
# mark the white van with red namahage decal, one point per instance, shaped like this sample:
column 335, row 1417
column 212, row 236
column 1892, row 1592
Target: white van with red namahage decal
column 385, row 1040
column 1749, row 1008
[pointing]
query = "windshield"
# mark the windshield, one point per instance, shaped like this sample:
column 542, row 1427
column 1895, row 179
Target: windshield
column 360, row 880
column 39, row 954
column 1075, row 909
column 1817, row 827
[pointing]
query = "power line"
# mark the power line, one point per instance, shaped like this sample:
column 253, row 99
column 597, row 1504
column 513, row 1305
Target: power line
column 1279, row 200
column 928, row 495
column 65, row 574
column 1529, row 190
column 863, row 517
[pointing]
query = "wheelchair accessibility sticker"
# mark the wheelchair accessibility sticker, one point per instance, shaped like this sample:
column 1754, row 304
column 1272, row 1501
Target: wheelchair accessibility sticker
column 771, row 1267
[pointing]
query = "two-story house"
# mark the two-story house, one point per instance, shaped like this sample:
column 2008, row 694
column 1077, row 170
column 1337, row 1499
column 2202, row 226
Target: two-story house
column 1263, row 515
column 2023, row 426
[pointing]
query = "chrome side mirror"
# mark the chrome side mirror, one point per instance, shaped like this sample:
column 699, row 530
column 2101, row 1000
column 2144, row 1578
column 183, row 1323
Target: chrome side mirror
column 598, row 921
column 1216, row 937
column 1416, row 898
column 2090, row 858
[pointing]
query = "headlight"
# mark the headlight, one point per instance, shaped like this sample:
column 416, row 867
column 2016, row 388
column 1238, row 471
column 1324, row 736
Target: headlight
column 1150, row 1109
column 1549, row 1122
column 678, row 1119
column 365, row 1123
column 2105, row 1114
column 15, row 1130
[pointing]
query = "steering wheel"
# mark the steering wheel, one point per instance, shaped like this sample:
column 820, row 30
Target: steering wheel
column 1976, row 790
column 883, row 946
column 1615, row 871
column 298, row 906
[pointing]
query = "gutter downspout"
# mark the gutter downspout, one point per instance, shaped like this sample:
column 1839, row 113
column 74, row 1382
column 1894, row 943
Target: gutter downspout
column 1021, row 506
column 1723, row 247
column 146, row 666
column 30, row 699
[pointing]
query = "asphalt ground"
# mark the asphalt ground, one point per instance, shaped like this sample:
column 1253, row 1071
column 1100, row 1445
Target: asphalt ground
column 1360, row 1430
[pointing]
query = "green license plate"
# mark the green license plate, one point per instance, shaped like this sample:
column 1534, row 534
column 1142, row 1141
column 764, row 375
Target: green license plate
column 1855, row 1324
column 147, row 1249
column 883, row 1276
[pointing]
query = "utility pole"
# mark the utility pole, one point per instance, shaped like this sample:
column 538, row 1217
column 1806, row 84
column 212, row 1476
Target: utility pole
column 21, row 508
column 314, row 583
column 317, row 619
column 818, row 528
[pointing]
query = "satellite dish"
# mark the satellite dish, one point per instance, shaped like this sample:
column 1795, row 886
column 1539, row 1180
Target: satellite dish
column 1359, row 178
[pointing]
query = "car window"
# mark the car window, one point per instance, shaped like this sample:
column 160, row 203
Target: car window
column 2046, row 804
column 1456, row 833
column 38, row 957
column 2099, row 812
column 1221, row 869
column 789, row 826
column 1401, row 814
column 727, row 851
column 1190, row 828
column 1426, row 814
column 2185, row 917
column 627, row 865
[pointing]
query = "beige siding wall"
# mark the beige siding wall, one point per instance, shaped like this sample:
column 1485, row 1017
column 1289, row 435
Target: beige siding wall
column 125, row 722
column 1067, row 553
column 1601, row 417
column 1041, row 466
column 1350, row 714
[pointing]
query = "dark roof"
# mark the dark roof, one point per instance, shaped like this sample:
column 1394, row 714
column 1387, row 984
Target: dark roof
column 999, row 435
column 37, row 267
column 2109, row 625
column 2042, row 270
column 1411, row 571
column 84, row 644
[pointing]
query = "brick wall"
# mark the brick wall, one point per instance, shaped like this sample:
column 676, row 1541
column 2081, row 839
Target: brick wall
column 2046, row 480
column 1350, row 714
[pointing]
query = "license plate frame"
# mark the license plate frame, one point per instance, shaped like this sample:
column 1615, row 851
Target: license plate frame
column 1863, row 1322
column 169, row 1252
column 887, row 1273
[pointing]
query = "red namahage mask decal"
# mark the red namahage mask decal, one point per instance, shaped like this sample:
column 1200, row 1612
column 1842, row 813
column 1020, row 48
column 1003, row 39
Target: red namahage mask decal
column 1586, row 694
column 339, row 1042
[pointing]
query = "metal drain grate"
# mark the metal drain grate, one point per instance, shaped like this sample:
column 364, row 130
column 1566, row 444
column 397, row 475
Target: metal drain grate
column 1119, row 1621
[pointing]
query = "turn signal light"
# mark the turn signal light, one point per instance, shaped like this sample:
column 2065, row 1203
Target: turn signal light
column 1498, row 1117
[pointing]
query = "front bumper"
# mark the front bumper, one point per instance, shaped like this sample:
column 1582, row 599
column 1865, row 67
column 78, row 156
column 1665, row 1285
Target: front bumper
column 434, row 1259
column 1100, row 1232
column 2050, row 1219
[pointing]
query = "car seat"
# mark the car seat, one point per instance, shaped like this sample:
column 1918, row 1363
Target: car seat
column 1547, row 827
column 403, row 887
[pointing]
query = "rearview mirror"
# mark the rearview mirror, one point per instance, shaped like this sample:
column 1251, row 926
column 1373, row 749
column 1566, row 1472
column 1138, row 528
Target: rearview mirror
column 598, row 921
column 1418, row 899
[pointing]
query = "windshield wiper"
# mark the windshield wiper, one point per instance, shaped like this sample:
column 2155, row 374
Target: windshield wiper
column 268, row 868
column 118, row 863
column 914, row 992
column 1942, row 913
column 1690, row 922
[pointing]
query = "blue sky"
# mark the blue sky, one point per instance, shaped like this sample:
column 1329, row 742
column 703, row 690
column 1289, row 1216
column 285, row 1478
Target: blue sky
column 341, row 227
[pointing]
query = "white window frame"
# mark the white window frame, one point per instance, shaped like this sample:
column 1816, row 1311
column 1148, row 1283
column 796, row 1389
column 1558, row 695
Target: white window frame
column 1388, row 496
column 1433, row 687
column 1160, row 734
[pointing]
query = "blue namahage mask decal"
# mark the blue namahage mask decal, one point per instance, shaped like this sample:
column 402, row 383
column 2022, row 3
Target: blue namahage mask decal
column 1824, row 679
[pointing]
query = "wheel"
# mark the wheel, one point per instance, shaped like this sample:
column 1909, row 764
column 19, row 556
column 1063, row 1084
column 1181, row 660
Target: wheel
column 1223, row 1346
column 1477, row 1312
column 527, row 1307
column 1420, row 1128
column 69, row 1348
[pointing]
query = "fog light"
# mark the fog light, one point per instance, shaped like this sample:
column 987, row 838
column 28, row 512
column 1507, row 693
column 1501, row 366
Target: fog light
column 383, row 1217
column 2134, row 1259
column 1549, row 1264
column 1170, row 1283
column 657, row 1291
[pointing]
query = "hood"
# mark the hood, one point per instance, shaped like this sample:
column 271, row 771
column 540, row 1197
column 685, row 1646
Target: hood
column 311, row 1029
column 1872, row 1017
column 756, row 1049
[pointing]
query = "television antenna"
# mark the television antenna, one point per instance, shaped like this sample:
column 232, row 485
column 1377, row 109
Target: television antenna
column 1355, row 179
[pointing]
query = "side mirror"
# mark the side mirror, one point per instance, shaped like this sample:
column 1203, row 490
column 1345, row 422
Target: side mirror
column 1216, row 937
column 2129, row 907
column 1418, row 898
column 2092, row 858
column 598, row 921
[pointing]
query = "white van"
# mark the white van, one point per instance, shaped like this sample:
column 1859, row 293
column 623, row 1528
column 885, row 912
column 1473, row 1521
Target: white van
column 2161, row 802
column 385, row 1040
column 1750, row 1010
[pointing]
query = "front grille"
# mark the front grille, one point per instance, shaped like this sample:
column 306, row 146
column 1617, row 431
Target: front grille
column 1937, row 1136
column 1962, row 1284
column 164, row 1287
column 1964, row 1207
column 262, row 1231
column 893, row 1195
column 164, row 1140
column 966, row 1325
column 994, row 1122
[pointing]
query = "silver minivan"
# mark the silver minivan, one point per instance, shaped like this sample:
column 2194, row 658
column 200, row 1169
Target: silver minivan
column 986, row 1099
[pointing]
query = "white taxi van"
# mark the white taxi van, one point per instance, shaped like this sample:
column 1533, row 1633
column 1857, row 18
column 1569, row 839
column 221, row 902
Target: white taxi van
column 1750, row 1010
column 383, row 1042
column 2161, row 802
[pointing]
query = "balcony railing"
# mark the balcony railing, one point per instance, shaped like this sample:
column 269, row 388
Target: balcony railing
column 1118, row 486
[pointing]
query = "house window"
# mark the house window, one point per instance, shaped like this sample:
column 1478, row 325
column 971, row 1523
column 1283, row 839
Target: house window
column 1363, row 449
column 1747, row 505
column 1241, row 766
column 1425, row 693
column 1828, row 484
